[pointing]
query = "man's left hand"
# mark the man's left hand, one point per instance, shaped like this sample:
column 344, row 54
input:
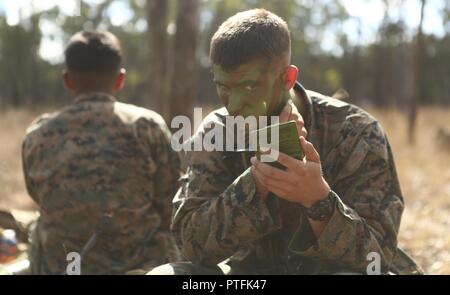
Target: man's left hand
column 302, row 181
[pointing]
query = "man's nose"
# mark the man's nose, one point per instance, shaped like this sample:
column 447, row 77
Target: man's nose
column 235, row 105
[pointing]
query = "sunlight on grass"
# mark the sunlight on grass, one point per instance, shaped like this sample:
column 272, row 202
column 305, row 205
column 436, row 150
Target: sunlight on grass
column 424, row 171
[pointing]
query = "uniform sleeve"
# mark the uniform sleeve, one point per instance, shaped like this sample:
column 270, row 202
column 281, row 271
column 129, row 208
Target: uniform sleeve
column 28, row 182
column 367, row 211
column 167, row 170
column 27, row 153
column 216, row 215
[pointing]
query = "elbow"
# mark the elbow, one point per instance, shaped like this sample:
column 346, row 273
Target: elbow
column 195, row 248
column 187, row 240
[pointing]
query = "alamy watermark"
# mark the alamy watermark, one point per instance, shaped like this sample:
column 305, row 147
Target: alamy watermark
column 74, row 264
column 236, row 132
column 374, row 267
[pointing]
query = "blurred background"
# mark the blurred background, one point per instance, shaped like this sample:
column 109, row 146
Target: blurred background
column 392, row 57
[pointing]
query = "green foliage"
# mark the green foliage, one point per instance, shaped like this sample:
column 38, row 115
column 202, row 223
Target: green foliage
column 378, row 73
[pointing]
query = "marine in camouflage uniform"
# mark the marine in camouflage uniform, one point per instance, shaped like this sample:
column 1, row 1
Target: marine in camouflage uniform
column 219, row 212
column 99, row 157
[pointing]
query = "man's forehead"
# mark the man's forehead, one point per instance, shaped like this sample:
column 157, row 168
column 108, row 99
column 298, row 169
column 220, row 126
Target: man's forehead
column 250, row 70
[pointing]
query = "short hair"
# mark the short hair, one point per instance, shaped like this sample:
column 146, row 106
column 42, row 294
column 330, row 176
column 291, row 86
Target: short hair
column 93, row 51
column 248, row 35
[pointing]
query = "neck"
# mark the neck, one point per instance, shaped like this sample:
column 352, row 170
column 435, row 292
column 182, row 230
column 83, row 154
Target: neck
column 86, row 92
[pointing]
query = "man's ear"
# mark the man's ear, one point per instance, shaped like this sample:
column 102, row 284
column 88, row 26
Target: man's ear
column 68, row 82
column 120, row 80
column 290, row 77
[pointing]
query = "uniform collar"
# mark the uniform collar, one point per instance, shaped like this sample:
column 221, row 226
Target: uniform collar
column 94, row 97
column 309, row 113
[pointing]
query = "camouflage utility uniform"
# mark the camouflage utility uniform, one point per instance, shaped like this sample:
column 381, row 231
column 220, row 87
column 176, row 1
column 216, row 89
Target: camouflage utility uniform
column 95, row 158
column 219, row 215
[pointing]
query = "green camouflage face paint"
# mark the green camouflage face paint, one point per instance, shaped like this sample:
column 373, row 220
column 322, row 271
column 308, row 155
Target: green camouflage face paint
column 253, row 89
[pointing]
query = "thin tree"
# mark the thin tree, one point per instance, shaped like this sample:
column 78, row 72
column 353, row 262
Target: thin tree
column 412, row 112
column 184, row 74
column 157, row 75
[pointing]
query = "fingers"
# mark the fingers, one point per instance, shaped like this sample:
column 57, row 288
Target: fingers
column 270, row 172
column 270, row 183
column 298, row 119
column 310, row 152
column 286, row 113
column 282, row 193
column 279, row 189
column 288, row 162
column 301, row 130
column 291, row 113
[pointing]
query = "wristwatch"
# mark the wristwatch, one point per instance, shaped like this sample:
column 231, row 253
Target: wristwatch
column 323, row 209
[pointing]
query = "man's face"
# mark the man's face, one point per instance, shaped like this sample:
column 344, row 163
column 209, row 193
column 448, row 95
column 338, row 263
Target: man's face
column 252, row 89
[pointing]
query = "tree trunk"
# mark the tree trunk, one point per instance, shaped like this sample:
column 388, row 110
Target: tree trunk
column 157, row 74
column 184, row 79
column 412, row 112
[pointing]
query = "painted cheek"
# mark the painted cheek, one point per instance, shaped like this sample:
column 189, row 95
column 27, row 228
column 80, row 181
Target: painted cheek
column 224, row 96
column 274, row 95
column 224, row 99
column 260, row 102
column 255, row 107
column 259, row 109
column 243, row 103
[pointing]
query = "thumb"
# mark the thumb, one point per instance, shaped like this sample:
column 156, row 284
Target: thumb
column 310, row 152
column 285, row 113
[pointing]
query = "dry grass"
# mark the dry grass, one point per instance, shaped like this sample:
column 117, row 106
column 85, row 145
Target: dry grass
column 13, row 124
column 424, row 171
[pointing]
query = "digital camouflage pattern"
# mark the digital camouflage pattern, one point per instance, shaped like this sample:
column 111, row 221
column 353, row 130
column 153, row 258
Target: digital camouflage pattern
column 95, row 157
column 218, row 215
